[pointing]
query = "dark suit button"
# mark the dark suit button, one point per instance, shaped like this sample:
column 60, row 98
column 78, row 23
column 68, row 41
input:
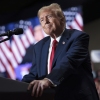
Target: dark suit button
column 62, row 78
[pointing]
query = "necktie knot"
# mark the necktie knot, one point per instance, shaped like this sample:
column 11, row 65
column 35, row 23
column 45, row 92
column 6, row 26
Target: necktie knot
column 54, row 43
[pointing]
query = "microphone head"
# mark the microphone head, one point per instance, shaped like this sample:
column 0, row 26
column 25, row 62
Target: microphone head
column 18, row 31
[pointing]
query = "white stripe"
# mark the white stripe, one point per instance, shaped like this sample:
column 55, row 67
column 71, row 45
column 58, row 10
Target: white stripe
column 16, row 52
column 74, row 25
column 30, row 36
column 2, row 68
column 26, row 43
column 9, row 46
column 8, row 67
column 7, row 42
column 67, row 26
column 79, row 19
column 19, row 45
column 8, row 54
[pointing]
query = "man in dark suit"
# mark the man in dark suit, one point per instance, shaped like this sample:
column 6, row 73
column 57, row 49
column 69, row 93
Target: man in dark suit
column 70, row 73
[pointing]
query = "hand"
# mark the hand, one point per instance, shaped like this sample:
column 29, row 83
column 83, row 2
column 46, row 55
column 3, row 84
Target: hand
column 38, row 86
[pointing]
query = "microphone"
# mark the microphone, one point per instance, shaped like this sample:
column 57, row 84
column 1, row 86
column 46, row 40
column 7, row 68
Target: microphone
column 16, row 31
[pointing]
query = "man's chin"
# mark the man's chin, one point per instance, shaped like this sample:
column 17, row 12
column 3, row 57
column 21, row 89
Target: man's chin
column 48, row 33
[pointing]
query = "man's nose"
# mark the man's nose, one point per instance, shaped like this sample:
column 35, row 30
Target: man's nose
column 46, row 20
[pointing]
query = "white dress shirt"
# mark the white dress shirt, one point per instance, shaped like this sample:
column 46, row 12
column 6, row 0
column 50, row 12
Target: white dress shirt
column 50, row 49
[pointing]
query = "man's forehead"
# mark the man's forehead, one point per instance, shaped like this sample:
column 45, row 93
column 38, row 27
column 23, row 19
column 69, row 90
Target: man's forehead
column 45, row 12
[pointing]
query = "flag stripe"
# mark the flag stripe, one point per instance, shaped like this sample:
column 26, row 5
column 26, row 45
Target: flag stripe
column 19, row 45
column 6, row 50
column 16, row 52
column 7, row 65
column 2, row 68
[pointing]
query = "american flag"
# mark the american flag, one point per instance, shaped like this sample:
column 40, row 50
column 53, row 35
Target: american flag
column 13, row 50
column 74, row 18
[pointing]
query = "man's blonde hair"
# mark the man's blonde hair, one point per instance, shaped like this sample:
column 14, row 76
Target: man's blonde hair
column 54, row 7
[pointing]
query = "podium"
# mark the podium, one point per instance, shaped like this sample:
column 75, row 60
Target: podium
column 16, row 90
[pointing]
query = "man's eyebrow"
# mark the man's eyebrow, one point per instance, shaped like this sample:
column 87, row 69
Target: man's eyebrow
column 46, row 15
column 41, row 18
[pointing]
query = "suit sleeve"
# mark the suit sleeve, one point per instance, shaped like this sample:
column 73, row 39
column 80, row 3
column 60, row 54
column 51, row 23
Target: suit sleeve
column 71, row 61
column 33, row 71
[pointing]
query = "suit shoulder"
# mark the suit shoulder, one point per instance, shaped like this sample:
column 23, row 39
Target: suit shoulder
column 42, row 41
column 76, row 33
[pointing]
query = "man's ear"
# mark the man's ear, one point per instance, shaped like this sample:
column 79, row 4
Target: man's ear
column 62, row 20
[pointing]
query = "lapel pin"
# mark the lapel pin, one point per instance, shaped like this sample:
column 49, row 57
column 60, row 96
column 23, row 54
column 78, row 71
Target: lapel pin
column 63, row 42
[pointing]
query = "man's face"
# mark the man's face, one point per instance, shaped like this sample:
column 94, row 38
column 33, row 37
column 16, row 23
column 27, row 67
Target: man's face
column 50, row 22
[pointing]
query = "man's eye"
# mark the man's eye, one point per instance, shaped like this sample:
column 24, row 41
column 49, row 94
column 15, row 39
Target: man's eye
column 41, row 20
column 49, row 16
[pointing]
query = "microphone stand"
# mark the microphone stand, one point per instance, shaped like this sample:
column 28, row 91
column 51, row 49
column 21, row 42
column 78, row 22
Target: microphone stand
column 9, row 35
column 4, row 39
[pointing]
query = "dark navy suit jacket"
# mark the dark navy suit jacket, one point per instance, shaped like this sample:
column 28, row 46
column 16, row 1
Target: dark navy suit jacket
column 71, row 69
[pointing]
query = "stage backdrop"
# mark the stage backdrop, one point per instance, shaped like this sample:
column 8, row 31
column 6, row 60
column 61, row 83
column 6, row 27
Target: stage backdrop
column 16, row 53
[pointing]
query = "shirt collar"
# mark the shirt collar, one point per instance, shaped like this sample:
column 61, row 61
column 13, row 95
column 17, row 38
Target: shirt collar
column 58, row 38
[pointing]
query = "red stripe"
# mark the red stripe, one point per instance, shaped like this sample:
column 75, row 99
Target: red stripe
column 11, row 52
column 79, row 25
column 70, row 27
column 17, row 46
column 27, row 39
column 8, row 75
column 8, row 62
column 23, row 43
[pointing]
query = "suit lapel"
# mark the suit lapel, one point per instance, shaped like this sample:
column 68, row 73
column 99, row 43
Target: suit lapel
column 61, row 44
column 44, row 56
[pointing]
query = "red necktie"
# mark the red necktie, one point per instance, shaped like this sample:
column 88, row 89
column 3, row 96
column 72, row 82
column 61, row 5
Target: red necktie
column 54, row 45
